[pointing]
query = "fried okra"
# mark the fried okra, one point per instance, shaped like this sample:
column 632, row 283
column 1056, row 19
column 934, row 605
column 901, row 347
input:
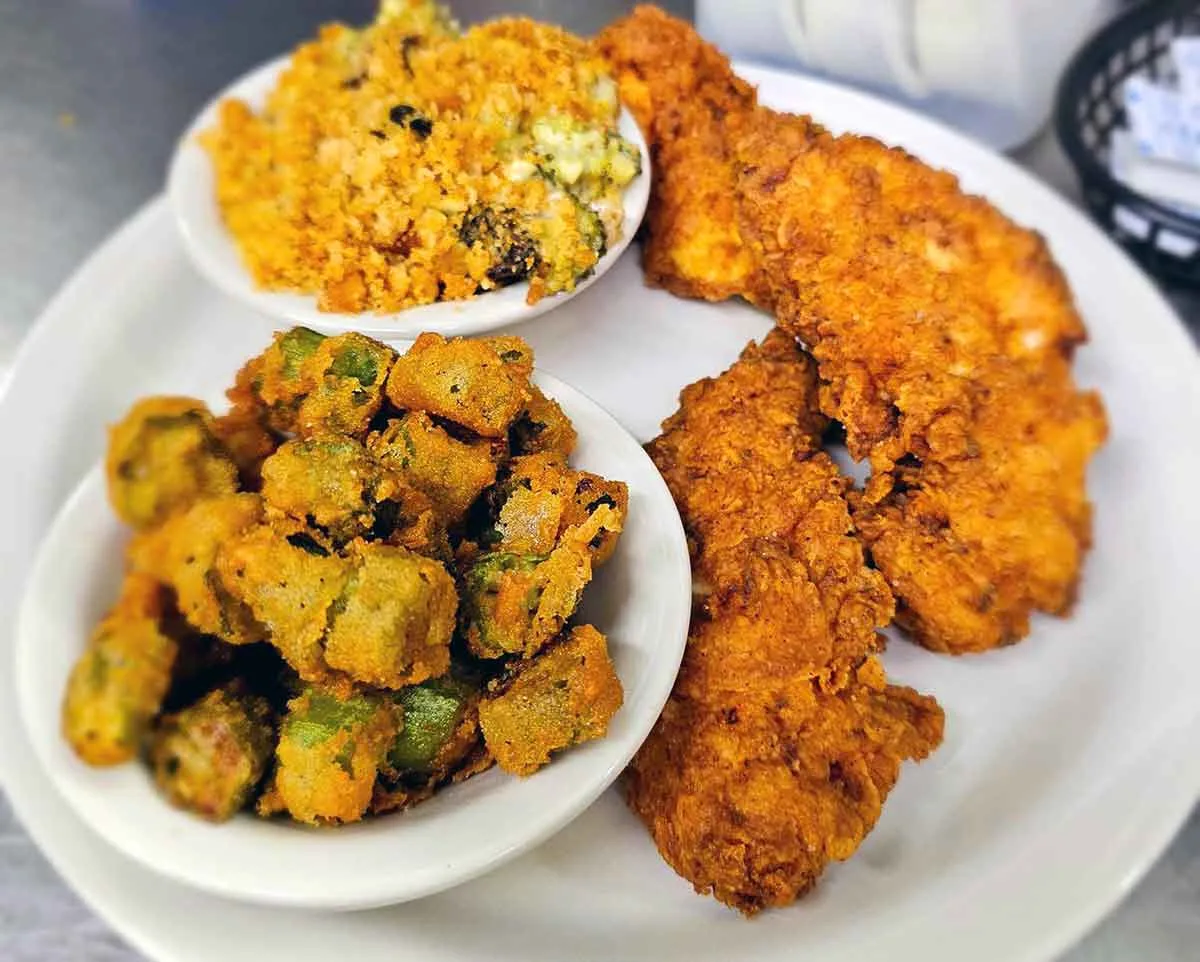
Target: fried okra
column 332, row 482
column 514, row 604
column 565, row 696
column 452, row 473
column 513, row 351
column 118, row 683
column 542, row 497
column 273, row 383
column 542, row 428
column 463, row 381
column 162, row 456
column 441, row 727
column 182, row 553
column 291, row 583
column 392, row 625
column 284, row 635
column 344, row 378
column 439, row 743
column 245, row 435
column 330, row 750
column 210, row 757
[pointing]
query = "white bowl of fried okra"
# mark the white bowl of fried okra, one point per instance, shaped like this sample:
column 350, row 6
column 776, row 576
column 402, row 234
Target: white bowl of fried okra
column 388, row 622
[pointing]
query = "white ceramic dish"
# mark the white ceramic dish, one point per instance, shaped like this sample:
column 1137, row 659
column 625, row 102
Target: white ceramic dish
column 641, row 600
column 193, row 200
column 1061, row 779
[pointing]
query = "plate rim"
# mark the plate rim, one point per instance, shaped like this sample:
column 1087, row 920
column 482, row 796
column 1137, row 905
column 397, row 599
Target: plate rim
column 1185, row 766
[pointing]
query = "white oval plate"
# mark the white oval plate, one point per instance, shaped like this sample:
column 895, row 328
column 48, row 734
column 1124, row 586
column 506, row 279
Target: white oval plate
column 641, row 599
column 1061, row 779
column 192, row 194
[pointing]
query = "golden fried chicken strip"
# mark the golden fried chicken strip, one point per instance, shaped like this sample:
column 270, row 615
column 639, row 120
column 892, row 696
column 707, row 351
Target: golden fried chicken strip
column 782, row 738
column 989, row 528
column 680, row 89
column 943, row 334
column 750, row 795
column 904, row 288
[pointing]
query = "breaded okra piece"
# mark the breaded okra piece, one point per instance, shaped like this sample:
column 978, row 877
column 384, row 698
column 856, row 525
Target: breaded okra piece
column 331, row 482
column 182, row 552
column 542, row 497
column 210, row 757
column 249, row 441
column 452, row 473
column 311, row 385
column 290, row 581
column 117, row 685
column 441, row 727
column 392, row 625
column 163, row 456
column 331, row 747
column 513, row 351
column 542, row 428
column 273, row 384
column 513, row 604
column 463, row 381
column 565, row 696
column 344, row 378
column 440, row 743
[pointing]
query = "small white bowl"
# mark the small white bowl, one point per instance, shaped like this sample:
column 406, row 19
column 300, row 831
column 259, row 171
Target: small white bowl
column 641, row 599
column 192, row 195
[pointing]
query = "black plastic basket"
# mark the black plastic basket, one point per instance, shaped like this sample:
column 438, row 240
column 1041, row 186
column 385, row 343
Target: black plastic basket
column 1090, row 105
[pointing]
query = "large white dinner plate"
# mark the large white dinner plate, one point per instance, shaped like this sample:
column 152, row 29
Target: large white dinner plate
column 1069, row 761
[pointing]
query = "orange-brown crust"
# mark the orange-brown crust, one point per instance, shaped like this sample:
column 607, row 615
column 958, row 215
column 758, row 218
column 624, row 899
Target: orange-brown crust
column 680, row 89
column 782, row 737
column 942, row 332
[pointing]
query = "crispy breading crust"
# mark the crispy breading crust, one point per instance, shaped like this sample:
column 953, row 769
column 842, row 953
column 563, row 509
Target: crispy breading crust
column 679, row 89
column 942, row 332
column 782, row 738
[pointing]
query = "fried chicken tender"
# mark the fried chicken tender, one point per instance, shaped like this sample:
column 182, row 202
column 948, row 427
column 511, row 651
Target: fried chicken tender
column 943, row 334
column 749, row 795
column 942, row 331
column 906, row 290
column 782, row 738
column 981, row 532
column 680, row 89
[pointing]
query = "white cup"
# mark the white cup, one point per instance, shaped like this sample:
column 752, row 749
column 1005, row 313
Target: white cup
column 969, row 48
column 988, row 67
column 869, row 41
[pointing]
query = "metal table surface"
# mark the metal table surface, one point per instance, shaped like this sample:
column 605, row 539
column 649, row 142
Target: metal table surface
column 92, row 96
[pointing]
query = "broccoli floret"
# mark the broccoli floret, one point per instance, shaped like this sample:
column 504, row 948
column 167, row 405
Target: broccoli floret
column 513, row 252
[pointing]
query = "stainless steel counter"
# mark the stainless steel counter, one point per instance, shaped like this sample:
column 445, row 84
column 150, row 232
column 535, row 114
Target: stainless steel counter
column 92, row 96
